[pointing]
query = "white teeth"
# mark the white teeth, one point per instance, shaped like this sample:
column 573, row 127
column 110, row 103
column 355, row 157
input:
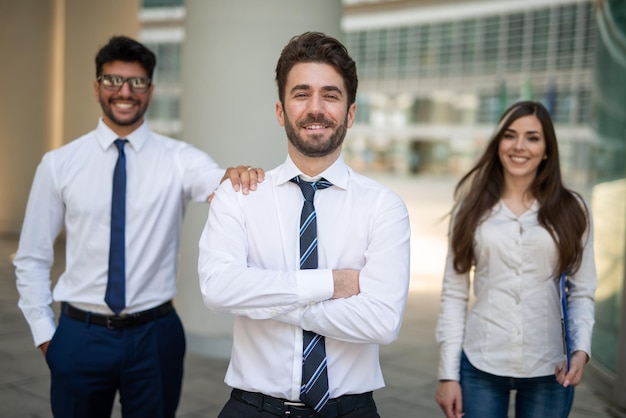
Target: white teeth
column 519, row 159
column 315, row 127
column 124, row 105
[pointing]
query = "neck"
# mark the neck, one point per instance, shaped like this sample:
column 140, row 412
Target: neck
column 518, row 189
column 122, row 131
column 312, row 166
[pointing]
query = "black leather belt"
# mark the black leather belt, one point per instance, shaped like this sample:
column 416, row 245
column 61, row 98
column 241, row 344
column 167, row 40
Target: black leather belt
column 115, row 321
column 335, row 407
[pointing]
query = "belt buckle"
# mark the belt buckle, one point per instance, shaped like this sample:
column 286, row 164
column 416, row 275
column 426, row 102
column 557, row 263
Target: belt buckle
column 111, row 319
column 288, row 404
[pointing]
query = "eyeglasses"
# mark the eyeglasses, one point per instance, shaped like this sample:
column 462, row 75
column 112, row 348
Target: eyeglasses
column 115, row 82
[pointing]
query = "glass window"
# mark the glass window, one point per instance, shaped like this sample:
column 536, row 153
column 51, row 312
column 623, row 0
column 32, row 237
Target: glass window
column 490, row 43
column 540, row 39
column 566, row 36
column 168, row 61
column 446, row 49
column 164, row 106
column 468, row 45
column 425, row 49
column 162, row 3
column 515, row 41
column 383, row 52
column 589, row 39
column 403, row 51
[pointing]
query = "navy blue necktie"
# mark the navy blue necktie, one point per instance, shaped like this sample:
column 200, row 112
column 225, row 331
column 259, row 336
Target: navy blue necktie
column 314, row 391
column 116, row 286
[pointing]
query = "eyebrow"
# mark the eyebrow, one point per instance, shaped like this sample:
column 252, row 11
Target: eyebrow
column 308, row 87
column 528, row 132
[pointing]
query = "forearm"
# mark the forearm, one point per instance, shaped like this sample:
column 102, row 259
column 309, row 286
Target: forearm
column 262, row 294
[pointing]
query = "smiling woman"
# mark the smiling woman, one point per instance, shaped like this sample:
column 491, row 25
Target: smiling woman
column 522, row 148
column 515, row 228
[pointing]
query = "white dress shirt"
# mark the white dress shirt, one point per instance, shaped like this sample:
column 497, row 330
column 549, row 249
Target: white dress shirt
column 72, row 190
column 249, row 267
column 513, row 326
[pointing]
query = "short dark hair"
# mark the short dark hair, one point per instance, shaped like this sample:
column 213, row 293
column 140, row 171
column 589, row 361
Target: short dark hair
column 320, row 48
column 123, row 48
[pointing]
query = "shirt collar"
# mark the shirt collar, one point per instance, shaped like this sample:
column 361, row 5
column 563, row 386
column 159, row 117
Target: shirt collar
column 502, row 208
column 106, row 136
column 337, row 173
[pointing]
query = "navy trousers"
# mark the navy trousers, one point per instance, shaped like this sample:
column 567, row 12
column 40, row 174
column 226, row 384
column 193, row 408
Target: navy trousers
column 90, row 363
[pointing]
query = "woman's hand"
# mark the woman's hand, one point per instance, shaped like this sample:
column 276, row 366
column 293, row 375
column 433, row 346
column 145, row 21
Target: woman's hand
column 576, row 365
column 449, row 398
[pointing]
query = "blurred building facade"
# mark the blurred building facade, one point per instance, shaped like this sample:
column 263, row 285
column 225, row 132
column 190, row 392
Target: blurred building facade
column 436, row 76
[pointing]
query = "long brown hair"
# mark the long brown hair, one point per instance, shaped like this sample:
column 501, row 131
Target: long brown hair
column 561, row 211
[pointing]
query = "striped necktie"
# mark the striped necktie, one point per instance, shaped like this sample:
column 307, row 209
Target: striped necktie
column 115, row 295
column 314, row 390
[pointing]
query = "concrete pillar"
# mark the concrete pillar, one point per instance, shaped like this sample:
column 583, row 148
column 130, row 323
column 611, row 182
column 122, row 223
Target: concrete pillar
column 229, row 56
column 49, row 48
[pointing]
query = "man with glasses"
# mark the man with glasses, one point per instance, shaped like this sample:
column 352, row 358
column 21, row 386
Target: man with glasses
column 119, row 193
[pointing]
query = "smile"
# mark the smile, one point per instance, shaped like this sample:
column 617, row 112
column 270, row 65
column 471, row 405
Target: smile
column 123, row 105
column 316, row 127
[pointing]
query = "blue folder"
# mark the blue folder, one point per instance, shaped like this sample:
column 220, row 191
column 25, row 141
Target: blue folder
column 564, row 324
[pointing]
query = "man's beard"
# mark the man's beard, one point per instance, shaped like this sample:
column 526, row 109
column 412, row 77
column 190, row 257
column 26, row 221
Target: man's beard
column 315, row 147
column 107, row 108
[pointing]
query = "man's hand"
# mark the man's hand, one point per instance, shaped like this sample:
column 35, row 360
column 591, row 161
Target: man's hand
column 346, row 283
column 243, row 177
column 449, row 398
column 44, row 348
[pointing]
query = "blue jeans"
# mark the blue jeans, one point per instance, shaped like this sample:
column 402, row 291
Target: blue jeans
column 487, row 396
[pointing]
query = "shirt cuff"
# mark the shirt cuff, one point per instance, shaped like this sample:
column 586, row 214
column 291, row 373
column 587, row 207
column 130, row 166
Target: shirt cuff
column 314, row 285
column 42, row 330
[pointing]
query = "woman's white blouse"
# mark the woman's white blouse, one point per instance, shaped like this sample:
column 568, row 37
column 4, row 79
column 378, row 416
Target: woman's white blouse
column 511, row 326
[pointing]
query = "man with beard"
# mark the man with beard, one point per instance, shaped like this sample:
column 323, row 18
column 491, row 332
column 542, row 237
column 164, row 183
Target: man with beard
column 315, row 264
column 119, row 192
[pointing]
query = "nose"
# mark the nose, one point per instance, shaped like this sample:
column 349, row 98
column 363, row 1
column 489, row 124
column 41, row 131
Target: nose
column 125, row 88
column 316, row 104
column 519, row 143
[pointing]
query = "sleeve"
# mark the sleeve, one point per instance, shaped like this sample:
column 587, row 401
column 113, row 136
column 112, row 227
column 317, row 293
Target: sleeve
column 580, row 299
column 201, row 174
column 43, row 222
column 450, row 327
column 228, row 285
column 375, row 314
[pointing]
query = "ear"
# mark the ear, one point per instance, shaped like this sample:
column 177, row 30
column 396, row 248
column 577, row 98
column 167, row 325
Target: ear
column 545, row 156
column 96, row 90
column 280, row 115
column 351, row 112
column 149, row 94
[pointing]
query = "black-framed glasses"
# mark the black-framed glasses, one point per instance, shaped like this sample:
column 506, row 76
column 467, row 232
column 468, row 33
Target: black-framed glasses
column 114, row 82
